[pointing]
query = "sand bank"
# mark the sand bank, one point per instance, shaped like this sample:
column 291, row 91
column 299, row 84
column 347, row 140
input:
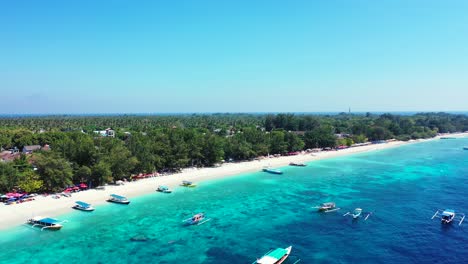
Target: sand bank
column 17, row 214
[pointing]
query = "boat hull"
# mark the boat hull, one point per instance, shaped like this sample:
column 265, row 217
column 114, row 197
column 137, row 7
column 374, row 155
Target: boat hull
column 118, row 202
column 273, row 171
column 83, row 209
column 42, row 226
column 279, row 261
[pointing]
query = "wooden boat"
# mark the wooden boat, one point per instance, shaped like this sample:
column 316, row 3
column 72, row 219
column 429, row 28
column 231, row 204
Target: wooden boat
column 449, row 215
column 357, row 213
column 188, row 184
column 297, row 164
column 163, row 189
column 272, row 171
column 197, row 219
column 45, row 223
column 83, row 206
column 327, row 207
column 114, row 198
column 276, row 256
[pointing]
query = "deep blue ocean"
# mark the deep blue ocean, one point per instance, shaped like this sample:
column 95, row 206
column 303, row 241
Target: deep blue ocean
column 253, row 213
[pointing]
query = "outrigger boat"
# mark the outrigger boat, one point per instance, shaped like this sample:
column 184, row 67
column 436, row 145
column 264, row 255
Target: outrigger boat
column 163, row 189
column 327, row 207
column 449, row 215
column 188, row 184
column 276, row 256
column 297, row 164
column 45, row 223
column 272, row 171
column 83, row 206
column 197, row 219
column 358, row 213
column 114, row 198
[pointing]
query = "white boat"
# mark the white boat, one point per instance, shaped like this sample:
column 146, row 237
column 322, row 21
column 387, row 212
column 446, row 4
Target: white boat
column 272, row 171
column 357, row 213
column 327, row 207
column 197, row 219
column 449, row 215
column 163, row 189
column 297, row 164
column 114, row 198
column 45, row 223
column 83, row 206
column 276, row 256
column 188, row 184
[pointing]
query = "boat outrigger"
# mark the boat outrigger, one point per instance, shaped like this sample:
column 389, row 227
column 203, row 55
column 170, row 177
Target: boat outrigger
column 197, row 219
column 83, row 206
column 297, row 164
column 327, row 207
column 449, row 215
column 358, row 213
column 45, row 223
column 163, row 189
column 276, row 256
column 272, row 171
column 188, row 184
column 114, row 198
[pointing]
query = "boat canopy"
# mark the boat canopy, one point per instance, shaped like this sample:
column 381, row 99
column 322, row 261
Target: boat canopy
column 118, row 197
column 51, row 221
column 448, row 212
column 83, row 204
column 187, row 182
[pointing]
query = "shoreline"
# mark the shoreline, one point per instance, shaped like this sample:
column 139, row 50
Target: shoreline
column 17, row 214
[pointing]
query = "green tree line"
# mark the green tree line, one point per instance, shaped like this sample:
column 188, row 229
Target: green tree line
column 145, row 144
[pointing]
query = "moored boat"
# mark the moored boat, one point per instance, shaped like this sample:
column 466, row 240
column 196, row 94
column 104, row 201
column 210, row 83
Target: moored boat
column 327, row 207
column 357, row 213
column 45, row 223
column 83, row 206
column 114, row 198
column 197, row 219
column 188, row 184
column 276, row 256
column 297, row 164
column 163, row 189
column 449, row 215
column 272, row 171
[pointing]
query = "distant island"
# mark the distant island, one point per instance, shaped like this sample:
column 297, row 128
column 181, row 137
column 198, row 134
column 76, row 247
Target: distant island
column 48, row 153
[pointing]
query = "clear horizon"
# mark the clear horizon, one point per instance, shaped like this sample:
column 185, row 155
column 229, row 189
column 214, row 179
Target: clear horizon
column 208, row 56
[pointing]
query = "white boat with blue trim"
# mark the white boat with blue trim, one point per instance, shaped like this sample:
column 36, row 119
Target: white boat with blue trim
column 45, row 223
column 276, row 256
column 114, row 198
column 357, row 213
column 83, row 206
column 272, row 171
column 449, row 215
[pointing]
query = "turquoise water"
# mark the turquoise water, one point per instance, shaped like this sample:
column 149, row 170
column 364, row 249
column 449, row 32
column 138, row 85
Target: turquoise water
column 252, row 213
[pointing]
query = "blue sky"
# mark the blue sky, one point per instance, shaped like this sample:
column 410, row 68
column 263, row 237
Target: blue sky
column 232, row 56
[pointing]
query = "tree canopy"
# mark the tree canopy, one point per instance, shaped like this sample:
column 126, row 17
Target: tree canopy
column 145, row 144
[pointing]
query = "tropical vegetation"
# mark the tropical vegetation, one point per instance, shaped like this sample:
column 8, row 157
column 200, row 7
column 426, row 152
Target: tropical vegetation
column 145, row 144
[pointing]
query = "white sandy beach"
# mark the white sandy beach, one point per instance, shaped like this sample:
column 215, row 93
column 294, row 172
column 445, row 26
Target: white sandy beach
column 17, row 214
